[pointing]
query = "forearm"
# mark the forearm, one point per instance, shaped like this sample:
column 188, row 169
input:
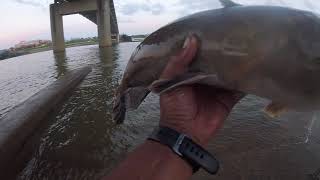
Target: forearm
column 153, row 161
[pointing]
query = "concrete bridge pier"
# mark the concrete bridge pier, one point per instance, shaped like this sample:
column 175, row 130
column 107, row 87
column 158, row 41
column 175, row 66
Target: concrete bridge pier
column 103, row 22
column 57, row 33
column 100, row 12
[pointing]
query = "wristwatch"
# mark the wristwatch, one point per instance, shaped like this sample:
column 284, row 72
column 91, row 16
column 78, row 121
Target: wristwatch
column 187, row 149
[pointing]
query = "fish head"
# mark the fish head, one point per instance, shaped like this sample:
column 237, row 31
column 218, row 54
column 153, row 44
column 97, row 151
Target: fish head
column 144, row 67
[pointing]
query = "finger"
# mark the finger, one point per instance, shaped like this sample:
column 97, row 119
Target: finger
column 189, row 51
column 226, row 98
column 229, row 98
column 179, row 64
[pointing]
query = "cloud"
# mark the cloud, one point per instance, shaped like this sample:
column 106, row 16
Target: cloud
column 191, row 6
column 131, row 8
column 33, row 3
column 122, row 19
column 156, row 9
column 309, row 5
column 204, row 4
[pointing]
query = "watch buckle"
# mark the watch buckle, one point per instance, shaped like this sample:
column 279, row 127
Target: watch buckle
column 178, row 144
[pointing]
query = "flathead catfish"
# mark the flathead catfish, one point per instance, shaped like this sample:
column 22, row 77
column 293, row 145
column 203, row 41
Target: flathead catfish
column 272, row 52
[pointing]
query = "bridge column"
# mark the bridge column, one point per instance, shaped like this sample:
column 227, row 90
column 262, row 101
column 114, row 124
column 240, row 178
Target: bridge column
column 117, row 38
column 104, row 23
column 56, row 29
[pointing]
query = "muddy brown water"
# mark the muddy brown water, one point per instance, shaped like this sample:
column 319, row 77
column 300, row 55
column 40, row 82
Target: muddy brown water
column 80, row 141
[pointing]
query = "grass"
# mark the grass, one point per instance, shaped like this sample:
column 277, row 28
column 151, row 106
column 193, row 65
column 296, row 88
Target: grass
column 48, row 48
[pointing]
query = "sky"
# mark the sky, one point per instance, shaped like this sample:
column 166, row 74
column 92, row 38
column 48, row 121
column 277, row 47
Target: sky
column 30, row 19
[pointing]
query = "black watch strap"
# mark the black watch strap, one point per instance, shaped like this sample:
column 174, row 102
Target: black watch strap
column 183, row 146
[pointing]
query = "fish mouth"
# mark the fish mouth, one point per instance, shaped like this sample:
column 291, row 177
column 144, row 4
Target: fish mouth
column 130, row 99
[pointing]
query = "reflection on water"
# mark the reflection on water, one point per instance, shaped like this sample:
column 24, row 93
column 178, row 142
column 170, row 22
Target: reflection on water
column 61, row 63
column 82, row 142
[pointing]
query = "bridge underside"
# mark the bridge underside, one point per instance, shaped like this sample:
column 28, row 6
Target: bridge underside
column 100, row 12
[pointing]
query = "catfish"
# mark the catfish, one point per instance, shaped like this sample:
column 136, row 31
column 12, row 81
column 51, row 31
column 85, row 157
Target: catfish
column 268, row 51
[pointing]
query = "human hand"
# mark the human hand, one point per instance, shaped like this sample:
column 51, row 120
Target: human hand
column 197, row 111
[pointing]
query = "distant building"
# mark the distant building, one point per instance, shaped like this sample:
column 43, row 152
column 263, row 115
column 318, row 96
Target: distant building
column 138, row 38
column 31, row 44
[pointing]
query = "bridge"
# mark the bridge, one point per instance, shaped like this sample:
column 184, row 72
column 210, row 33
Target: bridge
column 100, row 12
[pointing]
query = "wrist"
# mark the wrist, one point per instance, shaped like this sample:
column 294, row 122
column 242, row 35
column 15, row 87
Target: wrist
column 185, row 148
column 167, row 156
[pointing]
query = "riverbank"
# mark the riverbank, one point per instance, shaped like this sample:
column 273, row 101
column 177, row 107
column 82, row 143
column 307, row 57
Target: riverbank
column 9, row 55
column 41, row 49
column 13, row 52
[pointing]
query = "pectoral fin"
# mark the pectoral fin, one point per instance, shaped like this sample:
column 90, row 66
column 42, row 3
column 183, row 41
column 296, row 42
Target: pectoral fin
column 129, row 100
column 164, row 85
column 274, row 110
column 135, row 96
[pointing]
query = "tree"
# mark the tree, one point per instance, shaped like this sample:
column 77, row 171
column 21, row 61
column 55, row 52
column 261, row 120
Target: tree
column 125, row 38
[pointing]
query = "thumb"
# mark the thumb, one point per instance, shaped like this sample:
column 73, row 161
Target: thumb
column 178, row 64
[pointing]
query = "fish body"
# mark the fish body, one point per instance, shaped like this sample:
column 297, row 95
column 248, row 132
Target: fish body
column 272, row 52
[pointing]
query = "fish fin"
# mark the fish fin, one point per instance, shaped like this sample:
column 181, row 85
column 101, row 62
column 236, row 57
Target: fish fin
column 274, row 110
column 130, row 100
column 119, row 109
column 135, row 96
column 164, row 85
column 228, row 3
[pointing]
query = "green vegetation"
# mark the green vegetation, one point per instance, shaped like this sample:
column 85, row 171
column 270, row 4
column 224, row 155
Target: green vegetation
column 125, row 38
column 5, row 54
column 12, row 52
column 140, row 36
column 82, row 40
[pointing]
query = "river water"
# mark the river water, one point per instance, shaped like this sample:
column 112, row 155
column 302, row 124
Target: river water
column 79, row 140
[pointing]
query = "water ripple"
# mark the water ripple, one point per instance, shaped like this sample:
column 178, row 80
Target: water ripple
column 80, row 141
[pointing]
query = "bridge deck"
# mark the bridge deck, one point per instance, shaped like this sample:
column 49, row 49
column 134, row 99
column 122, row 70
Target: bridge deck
column 91, row 15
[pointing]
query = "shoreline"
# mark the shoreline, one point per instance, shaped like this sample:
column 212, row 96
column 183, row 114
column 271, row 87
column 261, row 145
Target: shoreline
column 43, row 49
column 48, row 48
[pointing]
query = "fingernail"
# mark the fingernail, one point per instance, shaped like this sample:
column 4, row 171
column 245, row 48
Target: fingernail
column 186, row 42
